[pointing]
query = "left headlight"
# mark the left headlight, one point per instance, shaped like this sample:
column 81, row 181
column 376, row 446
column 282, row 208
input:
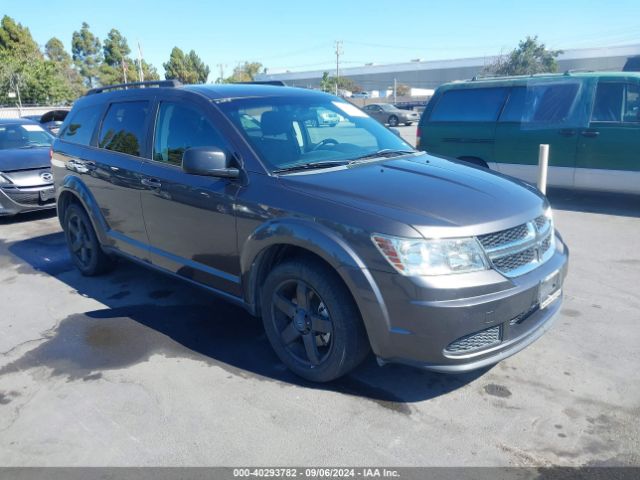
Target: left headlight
column 442, row 256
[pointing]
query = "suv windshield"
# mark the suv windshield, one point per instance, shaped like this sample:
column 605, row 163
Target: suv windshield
column 291, row 131
column 23, row 136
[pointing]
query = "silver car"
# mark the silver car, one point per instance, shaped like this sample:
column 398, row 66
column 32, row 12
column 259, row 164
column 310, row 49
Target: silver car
column 26, row 182
column 390, row 114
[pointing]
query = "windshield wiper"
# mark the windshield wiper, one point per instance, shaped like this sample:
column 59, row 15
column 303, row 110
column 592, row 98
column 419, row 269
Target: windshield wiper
column 385, row 152
column 311, row 166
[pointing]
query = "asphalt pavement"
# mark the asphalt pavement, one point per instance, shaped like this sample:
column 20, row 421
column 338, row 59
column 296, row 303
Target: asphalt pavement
column 134, row 369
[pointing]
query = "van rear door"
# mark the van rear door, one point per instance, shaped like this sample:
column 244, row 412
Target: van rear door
column 539, row 114
column 462, row 122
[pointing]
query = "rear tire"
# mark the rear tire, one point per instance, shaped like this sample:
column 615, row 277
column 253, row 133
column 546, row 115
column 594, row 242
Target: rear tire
column 312, row 321
column 393, row 121
column 84, row 247
column 408, row 124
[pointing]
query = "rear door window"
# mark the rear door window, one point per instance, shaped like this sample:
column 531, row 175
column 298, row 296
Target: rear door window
column 81, row 125
column 470, row 105
column 123, row 128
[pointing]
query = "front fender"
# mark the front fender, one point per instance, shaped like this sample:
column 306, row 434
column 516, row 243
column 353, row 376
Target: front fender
column 333, row 249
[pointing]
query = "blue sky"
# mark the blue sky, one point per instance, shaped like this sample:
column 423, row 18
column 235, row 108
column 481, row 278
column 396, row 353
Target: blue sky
column 300, row 35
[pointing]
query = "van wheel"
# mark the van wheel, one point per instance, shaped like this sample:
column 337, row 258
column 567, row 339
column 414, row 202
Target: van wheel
column 85, row 250
column 312, row 322
column 393, row 121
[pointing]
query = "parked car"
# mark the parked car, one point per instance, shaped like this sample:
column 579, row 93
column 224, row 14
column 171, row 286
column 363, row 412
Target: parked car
column 343, row 239
column 360, row 95
column 53, row 119
column 632, row 64
column 324, row 117
column 390, row 114
column 591, row 122
column 26, row 183
column 50, row 120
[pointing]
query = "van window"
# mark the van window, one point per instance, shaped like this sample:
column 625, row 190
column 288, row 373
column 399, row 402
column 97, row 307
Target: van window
column 79, row 129
column 469, row 105
column 608, row 103
column 550, row 103
column 632, row 104
column 123, row 127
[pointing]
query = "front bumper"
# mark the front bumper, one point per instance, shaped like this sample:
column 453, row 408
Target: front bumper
column 14, row 200
column 497, row 316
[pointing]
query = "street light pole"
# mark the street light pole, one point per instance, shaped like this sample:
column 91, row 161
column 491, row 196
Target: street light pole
column 338, row 53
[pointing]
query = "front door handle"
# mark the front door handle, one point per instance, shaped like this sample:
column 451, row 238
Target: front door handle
column 589, row 133
column 151, row 182
column 567, row 132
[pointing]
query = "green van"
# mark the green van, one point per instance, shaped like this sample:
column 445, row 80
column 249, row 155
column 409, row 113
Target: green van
column 591, row 122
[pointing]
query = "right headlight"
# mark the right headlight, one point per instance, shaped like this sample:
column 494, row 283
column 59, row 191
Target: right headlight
column 441, row 256
column 4, row 179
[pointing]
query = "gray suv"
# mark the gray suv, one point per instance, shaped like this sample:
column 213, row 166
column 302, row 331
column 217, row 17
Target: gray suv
column 343, row 238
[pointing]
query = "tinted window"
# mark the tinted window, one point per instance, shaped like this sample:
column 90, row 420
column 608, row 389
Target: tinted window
column 469, row 105
column 545, row 103
column 180, row 127
column 632, row 104
column 81, row 125
column 608, row 103
column 25, row 135
column 123, row 127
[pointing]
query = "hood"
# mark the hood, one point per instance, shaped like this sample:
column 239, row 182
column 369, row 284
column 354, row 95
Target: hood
column 437, row 197
column 24, row 159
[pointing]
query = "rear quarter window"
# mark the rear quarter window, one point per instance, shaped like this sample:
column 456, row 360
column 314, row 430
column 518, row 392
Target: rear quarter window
column 469, row 105
column 81, row 125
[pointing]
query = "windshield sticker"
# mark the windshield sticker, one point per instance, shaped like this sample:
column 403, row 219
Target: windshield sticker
column 32, row 128
column 349, row 109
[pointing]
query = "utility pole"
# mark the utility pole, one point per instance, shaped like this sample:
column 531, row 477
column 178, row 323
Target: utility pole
column 140, row 71
column 124, row 70
column 221, row 68
column 339, row 52
column 395, row 89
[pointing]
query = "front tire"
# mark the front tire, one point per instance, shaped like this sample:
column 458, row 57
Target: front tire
column 84, row 247
column 393, row 121
column 312, row 321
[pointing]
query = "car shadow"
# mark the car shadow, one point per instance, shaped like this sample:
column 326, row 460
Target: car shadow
column 149, row 313
column 28, row 216
column 620, row 204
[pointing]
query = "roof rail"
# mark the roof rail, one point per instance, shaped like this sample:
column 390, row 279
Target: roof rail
column 277, row 83
column 151, row 83
column 578, row 70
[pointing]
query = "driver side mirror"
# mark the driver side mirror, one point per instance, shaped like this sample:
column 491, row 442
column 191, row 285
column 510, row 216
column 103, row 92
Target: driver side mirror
column 209, row 161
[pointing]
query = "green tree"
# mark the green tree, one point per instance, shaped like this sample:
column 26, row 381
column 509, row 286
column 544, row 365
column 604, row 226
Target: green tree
column 187, row 68
column 25, row 72
column 328, row 84
column 245, row 72
column 56, row 53
column 54, row 50
column 529, row 58
column 85, row 50
column 115, row 48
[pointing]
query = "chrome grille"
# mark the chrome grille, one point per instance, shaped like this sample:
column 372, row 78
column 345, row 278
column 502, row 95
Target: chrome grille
column 475, row 341
column 517, row 260
column 520, row 249
column 505, row 236
column 26, row 197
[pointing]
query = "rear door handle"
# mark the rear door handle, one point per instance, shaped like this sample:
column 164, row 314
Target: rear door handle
column 567, row 132
column 151, row 182
column 589, row 133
